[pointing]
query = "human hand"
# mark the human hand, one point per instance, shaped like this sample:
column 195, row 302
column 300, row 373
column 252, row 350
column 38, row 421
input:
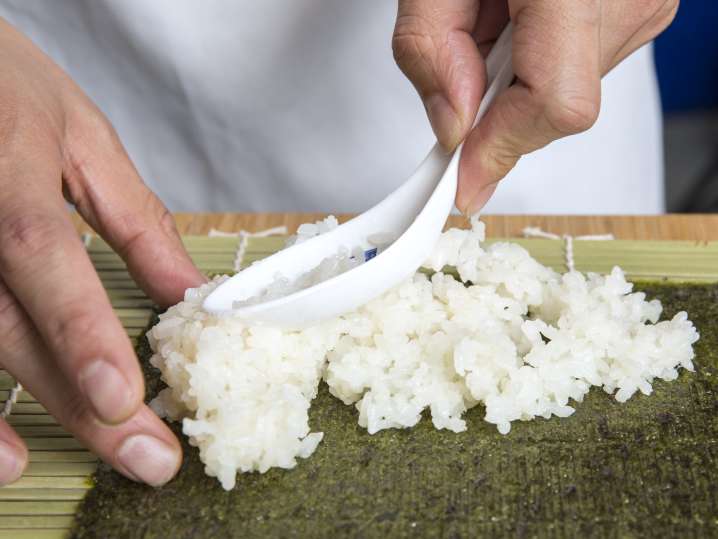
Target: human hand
column 58, row 334
column 561, row 50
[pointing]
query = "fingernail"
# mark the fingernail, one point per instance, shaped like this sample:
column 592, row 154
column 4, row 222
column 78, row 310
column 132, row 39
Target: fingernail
column 107, row 390
column 444, row 121
column 149, row 459
column 10, row 465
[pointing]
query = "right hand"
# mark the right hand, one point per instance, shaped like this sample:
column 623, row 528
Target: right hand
column 58, row 333
column 561, row 49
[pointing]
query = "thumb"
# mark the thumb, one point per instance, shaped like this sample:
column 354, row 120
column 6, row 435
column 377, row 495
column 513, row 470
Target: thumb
column 434, row 47
column 556, row 58
column 107, row 191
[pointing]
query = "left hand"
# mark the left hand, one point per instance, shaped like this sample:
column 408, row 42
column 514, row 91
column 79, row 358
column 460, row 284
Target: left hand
column 59, row 335
column 561, row 50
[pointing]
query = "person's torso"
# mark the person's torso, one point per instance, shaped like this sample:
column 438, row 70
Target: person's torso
column 235, row 105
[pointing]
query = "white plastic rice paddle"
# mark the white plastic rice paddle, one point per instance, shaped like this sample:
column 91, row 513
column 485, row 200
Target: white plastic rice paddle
column 414, row 214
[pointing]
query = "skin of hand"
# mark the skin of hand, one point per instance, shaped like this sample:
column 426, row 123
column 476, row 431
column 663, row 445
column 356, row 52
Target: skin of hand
column 561, row 49
column 58, row 333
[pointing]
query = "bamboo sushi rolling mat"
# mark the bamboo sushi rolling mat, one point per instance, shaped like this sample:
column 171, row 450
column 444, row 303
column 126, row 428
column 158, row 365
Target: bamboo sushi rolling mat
column 43, row 502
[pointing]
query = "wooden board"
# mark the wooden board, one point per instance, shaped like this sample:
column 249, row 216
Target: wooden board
column 43, row 502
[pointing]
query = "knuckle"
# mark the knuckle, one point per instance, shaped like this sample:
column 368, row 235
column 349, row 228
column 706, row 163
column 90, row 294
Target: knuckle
column 25, row 234
column 571, row 113
column 500, row 161
column 505, row 161
column 498, row 155
column 135, row 228
column 409, row 47
column 76, row 331
column 416, row 39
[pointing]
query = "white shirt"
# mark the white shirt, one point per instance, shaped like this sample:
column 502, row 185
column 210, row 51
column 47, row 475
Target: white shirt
column 279, row 105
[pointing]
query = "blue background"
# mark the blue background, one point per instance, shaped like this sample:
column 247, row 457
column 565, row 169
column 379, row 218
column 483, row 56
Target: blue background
column 687, row 58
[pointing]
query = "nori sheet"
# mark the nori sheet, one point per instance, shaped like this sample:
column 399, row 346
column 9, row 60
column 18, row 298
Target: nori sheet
column 646, row 468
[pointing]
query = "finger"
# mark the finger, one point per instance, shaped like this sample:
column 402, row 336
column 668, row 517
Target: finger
column 13, row 455
column 641, row 21
column 492, row 19
column 108, row 192
column 44, row 263
column 435, row 49
column 142, row 447
column 556, row 58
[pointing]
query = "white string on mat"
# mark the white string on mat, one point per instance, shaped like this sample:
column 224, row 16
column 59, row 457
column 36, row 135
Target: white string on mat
column 11, row 400
column 536, row 232
column 244, row 240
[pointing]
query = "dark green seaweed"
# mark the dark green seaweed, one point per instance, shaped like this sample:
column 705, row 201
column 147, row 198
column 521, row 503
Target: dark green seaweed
column 647, row 468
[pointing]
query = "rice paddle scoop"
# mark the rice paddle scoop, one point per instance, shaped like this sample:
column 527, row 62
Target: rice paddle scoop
column 409, row 220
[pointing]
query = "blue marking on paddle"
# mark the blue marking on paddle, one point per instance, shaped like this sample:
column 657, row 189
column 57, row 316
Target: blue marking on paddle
column 368, row 255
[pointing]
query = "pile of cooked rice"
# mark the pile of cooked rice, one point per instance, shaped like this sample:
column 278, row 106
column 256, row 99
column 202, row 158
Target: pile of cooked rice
column 508, row 333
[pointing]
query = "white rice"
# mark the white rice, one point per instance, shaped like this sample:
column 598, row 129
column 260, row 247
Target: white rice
column 520, row 339
column 341, row 261
column 242, row 392
column 308, row 231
